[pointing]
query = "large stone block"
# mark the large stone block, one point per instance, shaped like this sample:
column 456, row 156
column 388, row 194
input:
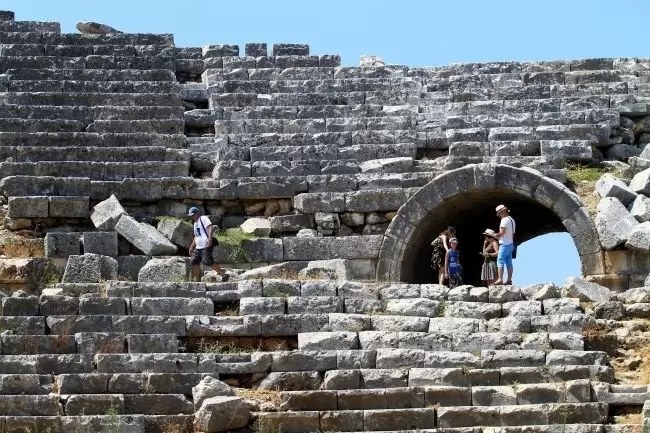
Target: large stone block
column 350, row 247
column 610, row 186
column 69, row 207
column 144, row 237
column 28, row 207
column 179, row 232
column 639, row 238
column 107, row 213
column 103, row 243
column 640, row 183
column 62, row 244
column 375, row 200
column 613, row 222
column 640, row 208
column 165, row 269
column 291, row 223
column 257, row 226
column 90, row 268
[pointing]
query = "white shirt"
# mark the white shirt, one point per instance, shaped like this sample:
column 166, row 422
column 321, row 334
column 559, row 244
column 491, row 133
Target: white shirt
column 509, row 224
column 200, row 232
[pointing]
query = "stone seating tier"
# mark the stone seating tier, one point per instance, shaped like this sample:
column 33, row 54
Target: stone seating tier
column 336, row 356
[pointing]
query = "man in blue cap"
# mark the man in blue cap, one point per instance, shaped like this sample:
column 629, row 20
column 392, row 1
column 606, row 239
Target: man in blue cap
column 202, row 245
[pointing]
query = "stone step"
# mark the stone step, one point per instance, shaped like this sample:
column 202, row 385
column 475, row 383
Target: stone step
column 528, row 105
column 280, row 61
column 96, row 171
column 75, row 139
column 359, row 152
column 316, row 112
column 341, row 139
column 98, row 423
column 127, row 383
column 576, row 391
column 52, row 36
column 388, row 97
column 311, row 85
column 594, row 134
column 79, row 50
column 343, row 124
column 89, row 114
column 77, row 74
column 496, row 120
column 98, row 126
column 91, row 154
column 31, row 26
column 87, row 62
column 429, row 418
column 270, row 74
column 69, row 86
column 89, row 99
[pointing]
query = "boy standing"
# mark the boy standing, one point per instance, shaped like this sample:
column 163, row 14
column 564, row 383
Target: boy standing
column 201, row 249
column 452, row 264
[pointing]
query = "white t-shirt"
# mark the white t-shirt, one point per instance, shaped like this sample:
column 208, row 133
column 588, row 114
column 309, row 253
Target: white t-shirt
column 510, row 227
column 200, row 232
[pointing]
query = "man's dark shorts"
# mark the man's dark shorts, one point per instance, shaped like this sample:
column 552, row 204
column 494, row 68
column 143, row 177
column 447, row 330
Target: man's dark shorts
column 203, row 255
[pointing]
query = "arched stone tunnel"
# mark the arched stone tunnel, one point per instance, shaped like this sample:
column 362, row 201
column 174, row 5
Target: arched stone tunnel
column 466, row 198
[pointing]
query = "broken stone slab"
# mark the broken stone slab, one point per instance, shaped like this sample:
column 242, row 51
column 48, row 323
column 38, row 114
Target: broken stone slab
column 179, row 232
column 93, row 28
column 614, row 223
column 291, row 223
column 640, row 183
column 585, row 290
column 221, row 414
column 257, row 227
column 165, row 270
column 639, row 238
column 640, row 208
column 610, row 186
column 209, row 387
column 144, row 237
column 90, row 268
column 107, row 213
column 366, row 60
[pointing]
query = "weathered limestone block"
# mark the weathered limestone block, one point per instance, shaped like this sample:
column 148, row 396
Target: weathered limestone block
column 28, row 207
column 613, row 222
column 62, row 244
column 387, row 199
column 310, row 203
column 90, row 268
column 291, row 381
column 328, row 341
column 257, row 226
column 327, row 220
column 291, row 223
column 179, row 232
column 610, row 186
column 351, row 247
column 209, row 387
column 585, row 290
column 144, row 237
column 103, row 243
column 165, row 269
column 342, row 379
column 221, row 413
column 640, row 208
column 640, row 183
column 69, row 207
column 107, row 213
column 639, row 238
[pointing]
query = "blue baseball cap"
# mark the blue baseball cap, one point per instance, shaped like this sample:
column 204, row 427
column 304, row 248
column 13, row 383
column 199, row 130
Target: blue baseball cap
column 192, row 211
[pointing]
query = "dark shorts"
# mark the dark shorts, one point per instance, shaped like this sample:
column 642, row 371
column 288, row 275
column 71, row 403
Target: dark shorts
column 203, row 255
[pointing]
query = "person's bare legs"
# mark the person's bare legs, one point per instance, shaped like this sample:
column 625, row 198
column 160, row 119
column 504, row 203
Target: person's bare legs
column 196, row 272
column 441, row 276
column 510, row 270
column 499, row 280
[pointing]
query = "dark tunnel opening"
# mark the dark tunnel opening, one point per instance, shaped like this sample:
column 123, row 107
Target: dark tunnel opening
column 471, row 213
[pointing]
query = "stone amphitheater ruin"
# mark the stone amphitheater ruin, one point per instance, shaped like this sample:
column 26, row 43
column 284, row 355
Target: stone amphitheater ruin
column 330, row 183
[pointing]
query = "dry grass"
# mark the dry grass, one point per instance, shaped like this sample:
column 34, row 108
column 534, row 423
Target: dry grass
column 632, row 364
column 259, row 395
column 20, row 247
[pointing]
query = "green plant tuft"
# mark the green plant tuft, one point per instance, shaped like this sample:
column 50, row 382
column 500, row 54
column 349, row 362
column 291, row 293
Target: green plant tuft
column 232, row 240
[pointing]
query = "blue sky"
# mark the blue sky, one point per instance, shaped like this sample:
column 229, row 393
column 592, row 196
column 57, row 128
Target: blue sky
column 414, row 33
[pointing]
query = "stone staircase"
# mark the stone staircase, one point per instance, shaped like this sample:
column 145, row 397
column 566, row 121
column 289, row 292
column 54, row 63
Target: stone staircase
column 309, row 355
column 84, row 115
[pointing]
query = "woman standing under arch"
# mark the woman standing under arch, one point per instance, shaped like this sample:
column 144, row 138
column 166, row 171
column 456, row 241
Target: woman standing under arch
column 440, row 247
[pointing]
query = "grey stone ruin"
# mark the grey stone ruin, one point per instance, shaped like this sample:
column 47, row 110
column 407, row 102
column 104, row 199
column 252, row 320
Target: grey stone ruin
column 332, row 181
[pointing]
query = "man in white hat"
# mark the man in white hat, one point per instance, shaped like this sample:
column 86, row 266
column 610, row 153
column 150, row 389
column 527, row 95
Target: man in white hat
column 505, row 236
